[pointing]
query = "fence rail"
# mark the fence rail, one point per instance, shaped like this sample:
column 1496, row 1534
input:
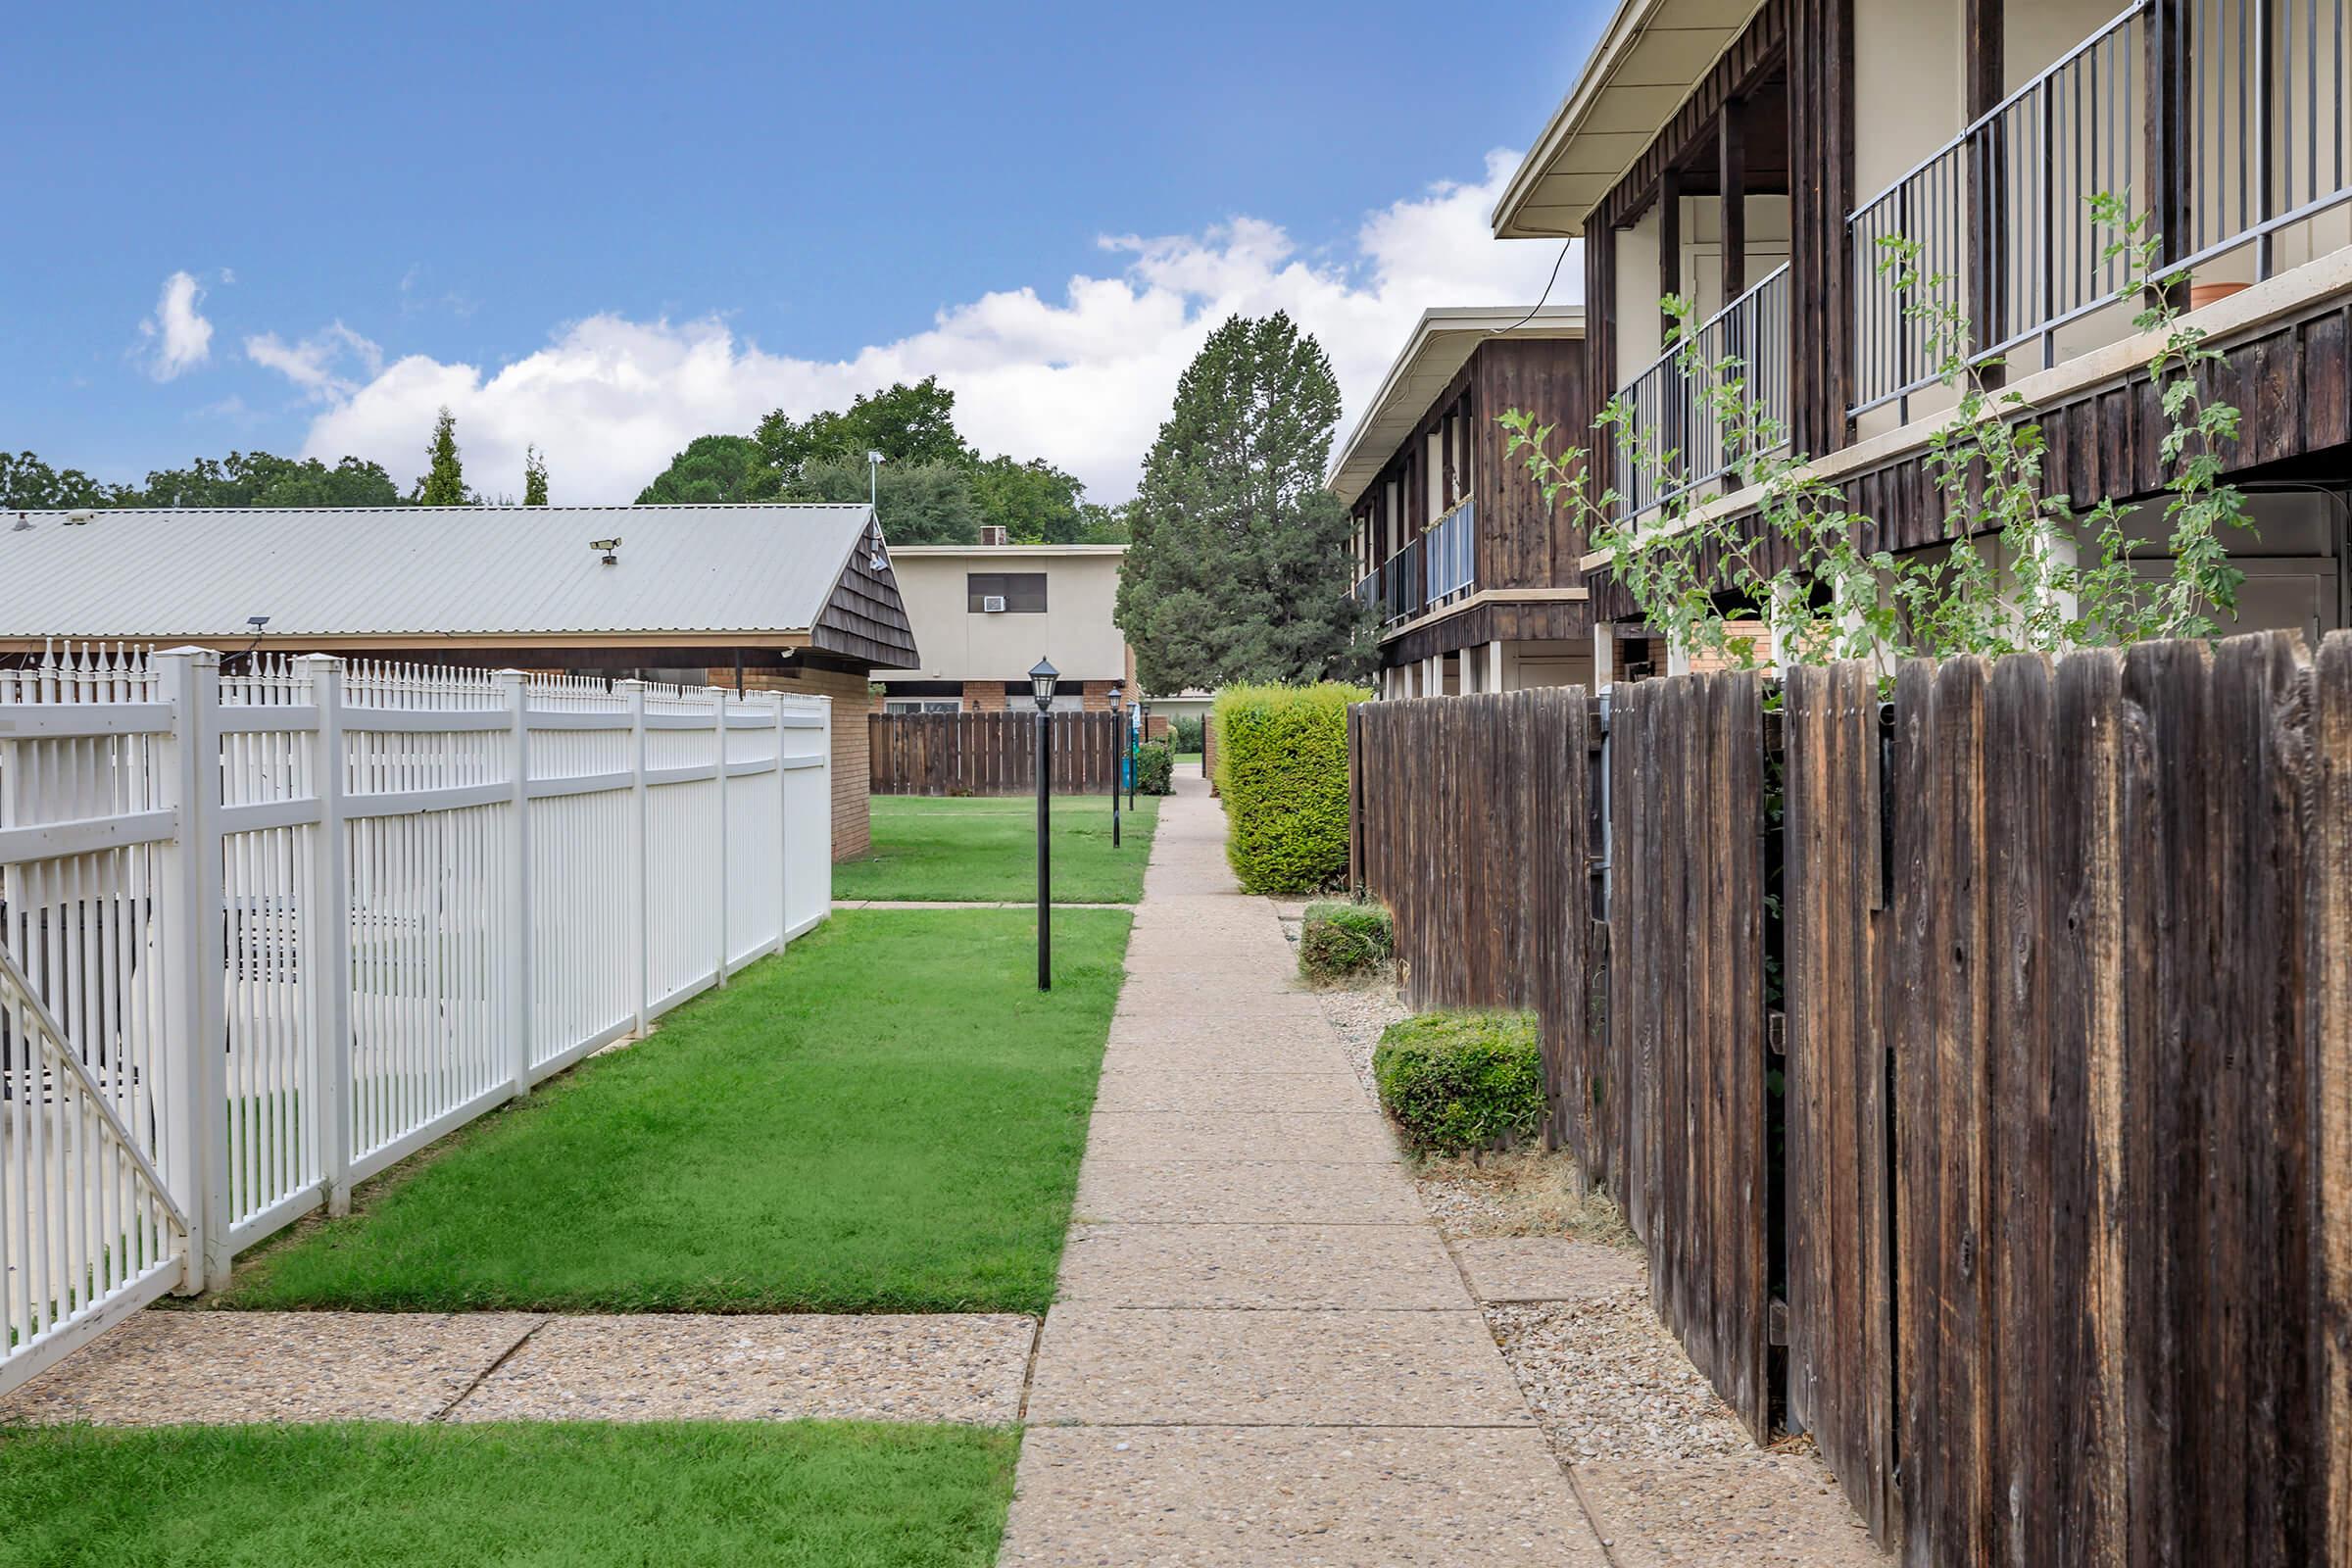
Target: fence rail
column 2056, row 1207
column 267, row 932
column 992, row 752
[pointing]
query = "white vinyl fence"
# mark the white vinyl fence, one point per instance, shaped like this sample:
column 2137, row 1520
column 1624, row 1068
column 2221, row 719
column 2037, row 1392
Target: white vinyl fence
column 262, row 934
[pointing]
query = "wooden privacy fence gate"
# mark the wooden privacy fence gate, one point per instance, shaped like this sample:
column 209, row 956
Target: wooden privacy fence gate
column 266, row 934
column 990, row 752
column 2046, row 1233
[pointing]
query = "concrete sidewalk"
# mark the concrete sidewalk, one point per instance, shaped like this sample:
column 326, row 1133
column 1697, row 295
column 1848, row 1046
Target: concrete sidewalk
column 1262, row 1352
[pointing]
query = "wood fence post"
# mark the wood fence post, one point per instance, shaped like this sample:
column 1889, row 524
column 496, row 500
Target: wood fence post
column 517, row 692
column 326, row 938
column 640, row 934
column 196, row 1152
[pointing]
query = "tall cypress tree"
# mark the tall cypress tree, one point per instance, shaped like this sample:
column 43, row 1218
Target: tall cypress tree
column 1237, row 568
column 444, row 483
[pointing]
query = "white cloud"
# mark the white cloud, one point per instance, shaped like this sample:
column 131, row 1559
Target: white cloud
column 179, row 336
column 314, row 364
column 1083, row 380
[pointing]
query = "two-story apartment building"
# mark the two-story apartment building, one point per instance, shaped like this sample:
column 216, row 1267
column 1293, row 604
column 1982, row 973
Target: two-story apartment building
column 1753, row 155
column 983, row 613
column 1475, row 578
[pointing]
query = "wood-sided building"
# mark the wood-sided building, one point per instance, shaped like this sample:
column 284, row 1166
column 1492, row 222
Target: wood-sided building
column 1755, row 156
column 1475, row 577
column 787, row 598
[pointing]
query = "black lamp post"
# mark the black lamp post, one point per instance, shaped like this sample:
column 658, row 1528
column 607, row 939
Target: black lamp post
column 1118, row 741
column 1042, row 678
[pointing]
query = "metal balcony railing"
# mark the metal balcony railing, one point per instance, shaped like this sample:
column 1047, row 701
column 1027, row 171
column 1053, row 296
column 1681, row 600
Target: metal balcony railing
column 1452, row 553
column 1674, row 409
column 2002, row 212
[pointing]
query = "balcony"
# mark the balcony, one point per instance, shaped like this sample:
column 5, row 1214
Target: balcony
column 1675, row 413
column 2255, row 104
column 1434, row 566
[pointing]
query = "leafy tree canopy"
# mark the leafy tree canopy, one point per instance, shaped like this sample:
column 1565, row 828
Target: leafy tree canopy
column 925, row 458
column 905, row 424
column 28, row 484
column 535, row 477
column 1237, row 566
column 921, row 503
column 713, row 468
column 241, row 479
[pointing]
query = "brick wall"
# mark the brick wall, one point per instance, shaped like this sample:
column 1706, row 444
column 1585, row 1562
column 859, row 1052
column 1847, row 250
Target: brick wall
column 853, row 701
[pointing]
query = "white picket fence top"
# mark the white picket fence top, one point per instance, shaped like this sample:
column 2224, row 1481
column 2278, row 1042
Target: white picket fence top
column 269, row 931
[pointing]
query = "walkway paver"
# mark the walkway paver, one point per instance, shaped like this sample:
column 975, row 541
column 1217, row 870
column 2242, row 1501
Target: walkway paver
column 166, row 1368
column 1263, row 1351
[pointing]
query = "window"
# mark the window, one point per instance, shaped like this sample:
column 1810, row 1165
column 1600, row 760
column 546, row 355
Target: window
column 922, row 705
column 1063, row 703
column 1023, row 592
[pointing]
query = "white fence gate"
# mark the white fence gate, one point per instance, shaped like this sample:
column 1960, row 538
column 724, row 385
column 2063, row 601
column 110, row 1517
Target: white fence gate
column 512, row 871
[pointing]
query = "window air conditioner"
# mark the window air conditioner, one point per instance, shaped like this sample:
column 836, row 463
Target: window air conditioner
column 993, row 605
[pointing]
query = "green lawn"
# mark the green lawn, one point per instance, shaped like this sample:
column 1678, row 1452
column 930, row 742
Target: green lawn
column 984, row 848
column 799, row 1495
column 887, row 1116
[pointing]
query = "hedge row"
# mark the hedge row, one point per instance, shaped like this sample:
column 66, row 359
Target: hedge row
column 1281, row 771
column 1461, row 1081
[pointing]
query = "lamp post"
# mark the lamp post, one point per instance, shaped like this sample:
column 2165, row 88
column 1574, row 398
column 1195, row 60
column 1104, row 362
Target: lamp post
column 1042, row 678
column 1118, row 743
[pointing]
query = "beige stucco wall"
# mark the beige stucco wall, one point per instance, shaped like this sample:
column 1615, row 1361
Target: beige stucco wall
column 1076, row 630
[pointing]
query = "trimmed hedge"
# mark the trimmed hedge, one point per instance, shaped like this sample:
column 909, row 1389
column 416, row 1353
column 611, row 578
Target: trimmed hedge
column 1186, row 732
column 1154, row 768
column 1338, row 940
column 1281, row 771
column 1459, row 1081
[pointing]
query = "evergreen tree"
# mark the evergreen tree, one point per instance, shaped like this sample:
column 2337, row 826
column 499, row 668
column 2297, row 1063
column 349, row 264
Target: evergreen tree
column 535, row 477
column 444, row 484
column 1238, row 565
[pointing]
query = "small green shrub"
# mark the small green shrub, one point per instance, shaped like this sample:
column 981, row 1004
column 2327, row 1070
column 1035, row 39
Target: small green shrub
column 1338, row 940
column 1458, row 1081
column 1187, row 734
column 1154, row 768
column 1281, row 769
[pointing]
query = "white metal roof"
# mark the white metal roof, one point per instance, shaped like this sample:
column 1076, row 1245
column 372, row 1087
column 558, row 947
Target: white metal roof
column 1007, row 550
column 409, row 571
column 1650, row 57
column 1441, row 344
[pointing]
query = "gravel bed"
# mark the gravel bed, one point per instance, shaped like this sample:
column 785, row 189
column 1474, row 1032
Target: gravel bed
column 1606, row 1381
column 1603, row 1377
column 1359, row 1015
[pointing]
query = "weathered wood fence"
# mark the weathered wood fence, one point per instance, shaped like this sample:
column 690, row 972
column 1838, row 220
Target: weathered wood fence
column 2056, row 1203
column 989, row 753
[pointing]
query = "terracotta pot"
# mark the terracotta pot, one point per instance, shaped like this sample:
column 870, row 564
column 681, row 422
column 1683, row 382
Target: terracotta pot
column 2201, row 295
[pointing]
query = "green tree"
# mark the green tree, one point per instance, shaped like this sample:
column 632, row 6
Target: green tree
column 905, row 424
column 535, row 477
column 1238, row 566
column 28, row 484
column 444, row 483
column 265, row 479
column 921, row 503
column 715, row 469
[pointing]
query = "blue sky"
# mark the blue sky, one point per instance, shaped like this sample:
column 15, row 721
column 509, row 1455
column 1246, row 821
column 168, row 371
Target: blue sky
column 605, row 231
